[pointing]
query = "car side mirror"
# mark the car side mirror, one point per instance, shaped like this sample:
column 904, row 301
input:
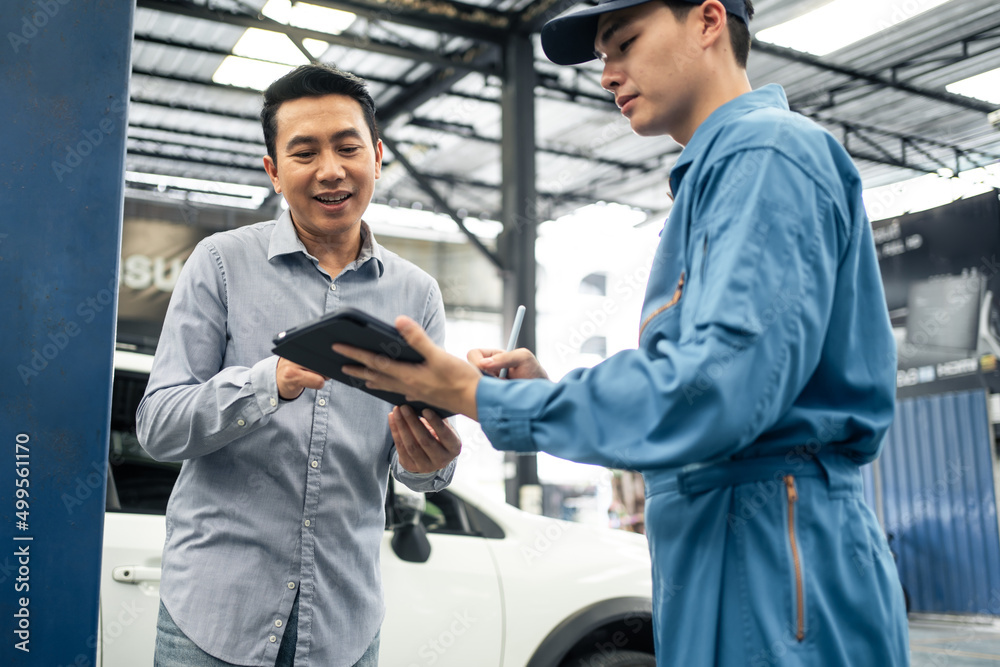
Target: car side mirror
column 409, row 537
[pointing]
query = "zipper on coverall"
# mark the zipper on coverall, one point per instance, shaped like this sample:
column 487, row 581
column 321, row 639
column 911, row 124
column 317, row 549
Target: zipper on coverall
column 800, row 621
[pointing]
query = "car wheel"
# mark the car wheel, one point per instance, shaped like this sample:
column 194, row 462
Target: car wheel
column 617, row 659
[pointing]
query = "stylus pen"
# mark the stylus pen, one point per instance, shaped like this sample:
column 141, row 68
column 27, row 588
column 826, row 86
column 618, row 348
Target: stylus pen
column 514, row 332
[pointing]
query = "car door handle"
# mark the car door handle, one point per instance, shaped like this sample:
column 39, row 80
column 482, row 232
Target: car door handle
column 135, row 574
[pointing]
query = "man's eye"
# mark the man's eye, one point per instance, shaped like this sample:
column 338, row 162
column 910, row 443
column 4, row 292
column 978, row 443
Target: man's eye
column 303, row 154
column 350, row 149
column 627, row 43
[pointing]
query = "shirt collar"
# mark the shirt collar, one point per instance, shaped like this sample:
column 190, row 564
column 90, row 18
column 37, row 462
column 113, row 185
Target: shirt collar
column 285, row 241
column 770, row 96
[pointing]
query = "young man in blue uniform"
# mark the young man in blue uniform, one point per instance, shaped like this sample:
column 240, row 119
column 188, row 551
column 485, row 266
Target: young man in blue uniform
column 765, row 373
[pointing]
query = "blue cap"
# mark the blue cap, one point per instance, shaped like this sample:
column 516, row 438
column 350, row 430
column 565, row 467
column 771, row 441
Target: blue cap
column 569, row 39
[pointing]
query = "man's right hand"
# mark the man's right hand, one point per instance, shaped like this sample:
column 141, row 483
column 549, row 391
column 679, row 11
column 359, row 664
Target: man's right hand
column 521, row 364
column 292, row 379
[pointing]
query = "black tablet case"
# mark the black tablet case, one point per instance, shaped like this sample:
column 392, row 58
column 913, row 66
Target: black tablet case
column 310, row 345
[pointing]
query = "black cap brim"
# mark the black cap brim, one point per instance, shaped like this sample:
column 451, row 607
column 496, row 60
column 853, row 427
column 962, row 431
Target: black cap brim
column 569, row 40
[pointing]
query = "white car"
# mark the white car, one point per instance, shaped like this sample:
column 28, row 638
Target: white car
column 469, row 581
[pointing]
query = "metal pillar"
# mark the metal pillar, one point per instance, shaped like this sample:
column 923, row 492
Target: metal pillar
column 61, row 190
column 516, row 243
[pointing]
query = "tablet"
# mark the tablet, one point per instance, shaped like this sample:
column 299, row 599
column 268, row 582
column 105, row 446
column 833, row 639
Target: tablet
column 310, row 345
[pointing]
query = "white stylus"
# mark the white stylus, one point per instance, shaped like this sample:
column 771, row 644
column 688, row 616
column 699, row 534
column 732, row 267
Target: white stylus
column 514, row 331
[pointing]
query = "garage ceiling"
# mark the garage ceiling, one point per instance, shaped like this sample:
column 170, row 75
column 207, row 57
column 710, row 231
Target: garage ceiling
column 435, row 69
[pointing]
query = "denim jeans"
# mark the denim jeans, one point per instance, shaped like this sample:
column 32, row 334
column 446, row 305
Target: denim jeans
column 174, row 649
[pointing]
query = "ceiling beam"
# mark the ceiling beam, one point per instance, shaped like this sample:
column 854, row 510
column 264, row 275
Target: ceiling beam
column 875, row 79
column 470, row 133
column 909, row 140
column 965, row 44
column 146, row 153
column 537, row 14
column 214, row 50
column 254, row 143
column 455, row 18
column 424, row 184
column 361, row 42
column 138, row 98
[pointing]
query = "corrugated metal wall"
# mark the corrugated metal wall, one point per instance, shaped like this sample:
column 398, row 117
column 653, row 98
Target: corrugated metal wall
column 939, row 500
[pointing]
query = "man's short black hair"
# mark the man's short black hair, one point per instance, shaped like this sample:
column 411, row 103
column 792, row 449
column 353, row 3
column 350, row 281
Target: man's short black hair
column 313, row 81
column 739, row 32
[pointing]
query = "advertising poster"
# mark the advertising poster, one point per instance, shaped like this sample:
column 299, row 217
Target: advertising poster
column 941, row 272
column 153, row 253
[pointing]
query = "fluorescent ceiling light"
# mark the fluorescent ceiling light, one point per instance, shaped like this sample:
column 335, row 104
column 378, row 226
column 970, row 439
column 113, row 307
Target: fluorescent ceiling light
column 247, row 73
column 305, row 15
column 841, row 22
column 985, row 86
column 197, row 190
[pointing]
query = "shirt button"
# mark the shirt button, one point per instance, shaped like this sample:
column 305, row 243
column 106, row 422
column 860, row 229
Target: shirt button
column 273, row 639
column 277, row 623
column 322, row 402
column 291, row 584
column 274, row 401
column 241, row 422
column 307, row 523
column 333, row 287
column 315, row 464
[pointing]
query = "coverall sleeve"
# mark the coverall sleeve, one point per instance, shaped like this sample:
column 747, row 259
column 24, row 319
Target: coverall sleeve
column 192, row 408
column 433, row 324
column 745, row 348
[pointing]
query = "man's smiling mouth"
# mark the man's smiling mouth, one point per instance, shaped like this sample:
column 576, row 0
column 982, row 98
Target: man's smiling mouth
column 331, row 199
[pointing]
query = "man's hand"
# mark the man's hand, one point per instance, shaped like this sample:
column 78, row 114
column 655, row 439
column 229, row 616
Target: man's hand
column 424, row 443
column 441, row 380
column 292, row 379
column 521, row 364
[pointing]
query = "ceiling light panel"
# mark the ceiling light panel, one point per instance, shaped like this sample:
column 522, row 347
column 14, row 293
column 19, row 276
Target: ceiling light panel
column 842, row 22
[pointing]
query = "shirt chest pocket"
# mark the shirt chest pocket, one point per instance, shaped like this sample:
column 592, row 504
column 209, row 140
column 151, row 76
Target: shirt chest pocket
column 664, row 322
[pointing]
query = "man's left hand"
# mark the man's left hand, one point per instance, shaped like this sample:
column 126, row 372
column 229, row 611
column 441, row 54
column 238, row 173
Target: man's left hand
column 424, row 443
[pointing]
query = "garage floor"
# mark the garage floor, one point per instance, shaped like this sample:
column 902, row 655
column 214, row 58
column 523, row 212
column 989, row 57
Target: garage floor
column 944, row 642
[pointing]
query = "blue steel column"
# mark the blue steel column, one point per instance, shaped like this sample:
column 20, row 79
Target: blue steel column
column 64, row 65
column 516, row 244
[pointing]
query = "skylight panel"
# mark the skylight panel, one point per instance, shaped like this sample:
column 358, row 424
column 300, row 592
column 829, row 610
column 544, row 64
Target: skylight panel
column 985, row 86
column 842, row 22
column 270, row 46
column 249, row 73
column 305, row 15
column 261, row 56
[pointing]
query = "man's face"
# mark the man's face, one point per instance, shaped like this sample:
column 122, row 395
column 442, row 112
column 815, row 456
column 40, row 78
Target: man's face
column 651, row 65
column 326, row 164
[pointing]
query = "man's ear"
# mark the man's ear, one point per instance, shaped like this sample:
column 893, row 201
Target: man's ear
column 272, row 172
column 712, row 18
column 378, row 160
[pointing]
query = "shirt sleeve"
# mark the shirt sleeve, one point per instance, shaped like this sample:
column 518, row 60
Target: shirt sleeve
column 193, row 406
column 746, row 347
column 433, row 322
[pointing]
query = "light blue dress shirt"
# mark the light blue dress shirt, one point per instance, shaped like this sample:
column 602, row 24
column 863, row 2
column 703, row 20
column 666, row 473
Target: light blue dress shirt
column 764, row 333
column 275, row 498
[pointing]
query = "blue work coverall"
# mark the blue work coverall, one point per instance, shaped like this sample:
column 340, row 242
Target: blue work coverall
column 764, row 376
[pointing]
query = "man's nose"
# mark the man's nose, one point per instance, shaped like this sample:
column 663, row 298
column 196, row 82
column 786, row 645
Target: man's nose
column 330, row 167
column 611, row 77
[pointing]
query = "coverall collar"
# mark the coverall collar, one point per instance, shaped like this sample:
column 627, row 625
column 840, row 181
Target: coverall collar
column 769, row 96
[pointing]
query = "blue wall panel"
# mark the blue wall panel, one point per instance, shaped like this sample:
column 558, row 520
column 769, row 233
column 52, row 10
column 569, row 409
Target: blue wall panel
column 64, row 68
column 939, row 499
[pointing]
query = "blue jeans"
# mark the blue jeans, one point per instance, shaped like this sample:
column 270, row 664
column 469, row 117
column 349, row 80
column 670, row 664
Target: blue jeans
column 175, row 649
